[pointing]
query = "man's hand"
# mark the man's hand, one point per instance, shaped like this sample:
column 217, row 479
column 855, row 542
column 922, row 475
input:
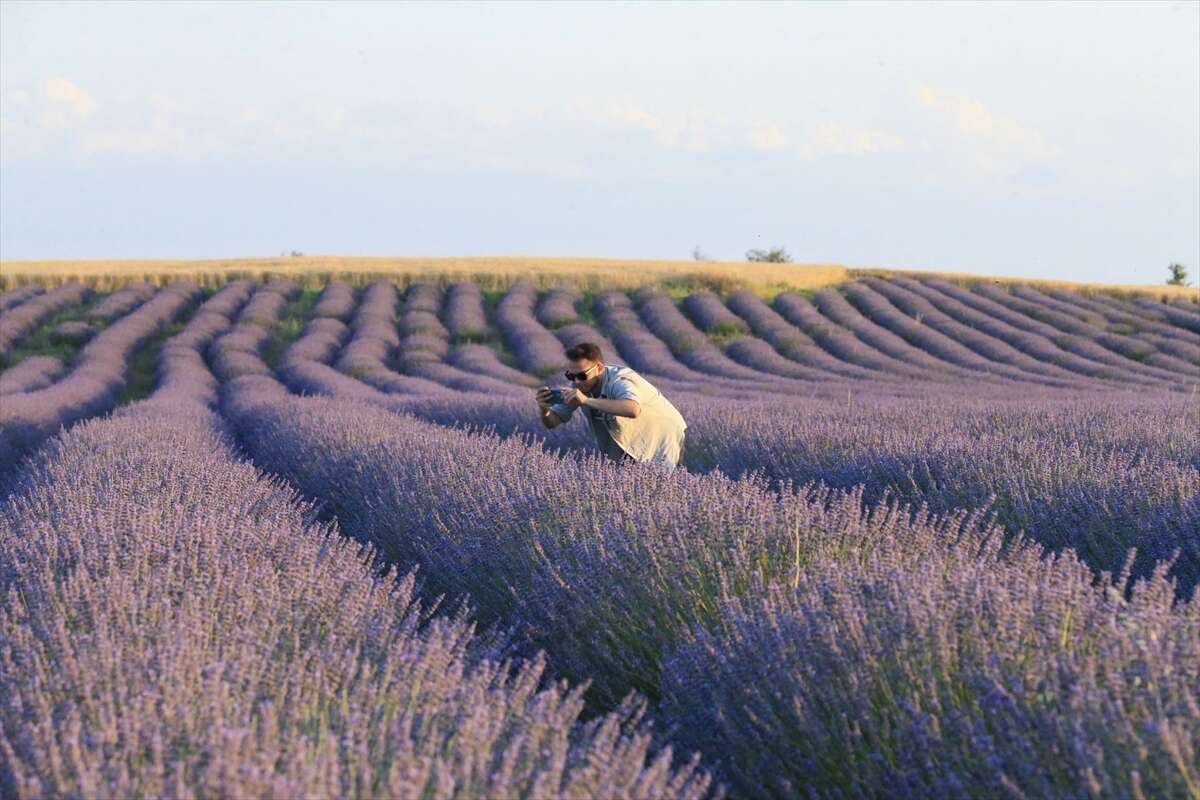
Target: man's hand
column 544, row 398
column 575, row 398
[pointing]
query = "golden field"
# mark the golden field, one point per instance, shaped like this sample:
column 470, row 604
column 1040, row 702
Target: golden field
column 499, row 271
column 489, row 272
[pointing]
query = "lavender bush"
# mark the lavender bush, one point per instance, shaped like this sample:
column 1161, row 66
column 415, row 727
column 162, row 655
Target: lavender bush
column 337, row 300
column 710, row 315
column 557, row 308
column 120, row 302
column 790, row 341
column 537, row 350
column 19, row 321
column 71, row 331
column 959, row 674
column 464, row 313
column 928, row 327
column 479, row 359
column 1178, row 317
column 31, row 374
column 843, row 345
column 1099, row 362
column 258, row 653
column 14, row 297
column 1095, row 328
column 95, row 381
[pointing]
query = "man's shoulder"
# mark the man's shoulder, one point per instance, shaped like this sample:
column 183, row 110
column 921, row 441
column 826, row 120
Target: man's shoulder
column 619, row 372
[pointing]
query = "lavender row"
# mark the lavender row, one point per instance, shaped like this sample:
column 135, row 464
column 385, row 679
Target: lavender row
column 874, row 348
column 337, row 300
column 1098, row 473
column 1094, row 329
column 1147, row 313
column 94, row 383
column 1138, row 349
column 537, row 350
column 593, row 582
column 31, row 374
column 426, row 343
column 1036, row 339
column 709, row 314
column 368, row 354
column 558, row 307
column 1161, row 336
column 792, row 343
column 687, row 343
column 948, row 675
column 236, row 352
column 464, row 313
column 625, row 586
column 1115, row 337
column 14, row 297
column 1075, row 351
column 1178, row 317
column 1079, row 341
column 21, row 320
column 183, row 373
column 120, row 302
column 938, row 332
column 192, row 631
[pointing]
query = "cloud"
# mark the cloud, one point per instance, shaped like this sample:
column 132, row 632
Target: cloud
column 64, row 104
column 822, row 139
column 692, row 131
column 976, row 122
column 768, row 136
column 832, row 138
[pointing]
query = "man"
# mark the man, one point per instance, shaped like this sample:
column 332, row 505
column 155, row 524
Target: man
column 630, row 419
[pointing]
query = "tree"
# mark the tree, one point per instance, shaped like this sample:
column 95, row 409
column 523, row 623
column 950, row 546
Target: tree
column 699, row 255
column 776, row 255
column 1178, row 275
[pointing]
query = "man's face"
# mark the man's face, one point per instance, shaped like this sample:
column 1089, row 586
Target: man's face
column 592, row 371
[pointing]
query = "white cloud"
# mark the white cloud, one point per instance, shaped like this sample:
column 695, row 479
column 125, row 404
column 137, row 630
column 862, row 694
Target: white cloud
column 693, row 131
column 768, row 136
column 976, row 121
column 832, row 138
column 64, row 104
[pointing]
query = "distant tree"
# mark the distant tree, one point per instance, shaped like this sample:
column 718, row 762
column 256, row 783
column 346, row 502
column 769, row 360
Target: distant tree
column 776, row 255
column 699, row 255
column 1178, row 275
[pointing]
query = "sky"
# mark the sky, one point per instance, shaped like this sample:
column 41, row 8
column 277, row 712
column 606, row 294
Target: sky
column 1026, row 139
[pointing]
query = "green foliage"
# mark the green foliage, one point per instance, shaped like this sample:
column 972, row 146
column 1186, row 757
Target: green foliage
column 725, row 333
column 42, row 343
column 291, row 322
column 776, row 255
column 143, row 364
column 1178, row 275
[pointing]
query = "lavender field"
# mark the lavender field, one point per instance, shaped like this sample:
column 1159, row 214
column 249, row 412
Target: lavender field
column 930, row 539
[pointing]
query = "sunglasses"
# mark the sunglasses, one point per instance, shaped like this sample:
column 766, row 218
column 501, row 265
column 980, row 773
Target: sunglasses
column 578, row 376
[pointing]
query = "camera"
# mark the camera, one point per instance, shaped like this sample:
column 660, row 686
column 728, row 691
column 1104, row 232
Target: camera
column 556, row 396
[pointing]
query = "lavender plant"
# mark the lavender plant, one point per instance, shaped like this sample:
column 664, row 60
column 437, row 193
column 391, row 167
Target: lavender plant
column 120, row 302
column 211, row 639
column 31, row 374
column 464, row 313
column 538, row 352
column 557, row 308
column 19, row 321
column 337, row 300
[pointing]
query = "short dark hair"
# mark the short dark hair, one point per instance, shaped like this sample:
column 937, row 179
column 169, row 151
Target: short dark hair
column 585, row 350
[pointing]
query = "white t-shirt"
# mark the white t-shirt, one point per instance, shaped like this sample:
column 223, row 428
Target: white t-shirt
column 656, row 435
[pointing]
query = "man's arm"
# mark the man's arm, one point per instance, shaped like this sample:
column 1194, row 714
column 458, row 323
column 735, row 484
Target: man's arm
column 618, row 408
column 549, row 418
